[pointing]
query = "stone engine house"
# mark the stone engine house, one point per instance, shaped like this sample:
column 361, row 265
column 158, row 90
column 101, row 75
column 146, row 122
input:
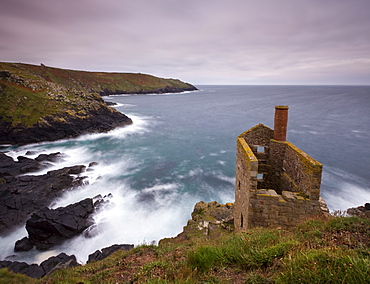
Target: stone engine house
column 277, row 184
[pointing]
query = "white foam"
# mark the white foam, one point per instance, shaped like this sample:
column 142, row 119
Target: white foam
column 350, row 190
column 110, row 97
column 7, row 243
column 127, row 221
column 347, row 195
column 124, row 105
column 195, row 172
column 139, row 126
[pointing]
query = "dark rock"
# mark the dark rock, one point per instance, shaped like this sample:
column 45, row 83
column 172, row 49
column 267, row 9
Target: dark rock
column 60, row 126
column 9, row 167
column 23, row 245
column 100, row 202
column 61, row 261
column 105, row 252
column 96, row 256
column 92, row 164
column 48, row 266
column 75, row 170
column 18, row 194
column 31, row 270
column 4, row 263
column 360, row 211
column 49, row 227
column 30, row 153
column 53, row 157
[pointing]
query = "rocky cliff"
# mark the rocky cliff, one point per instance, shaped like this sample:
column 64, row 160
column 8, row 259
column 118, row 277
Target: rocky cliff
column 40, row 103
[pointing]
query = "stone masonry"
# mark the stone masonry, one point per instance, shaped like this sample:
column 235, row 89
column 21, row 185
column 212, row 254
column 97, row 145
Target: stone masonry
column 277, row 184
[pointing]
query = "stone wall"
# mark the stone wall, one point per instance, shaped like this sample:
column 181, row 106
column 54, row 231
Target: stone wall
column 277, row 184
column 286, row 210
column 301, row 172
column 246, row 180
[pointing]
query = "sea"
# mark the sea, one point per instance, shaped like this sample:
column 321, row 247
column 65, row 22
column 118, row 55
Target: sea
column 180, row 150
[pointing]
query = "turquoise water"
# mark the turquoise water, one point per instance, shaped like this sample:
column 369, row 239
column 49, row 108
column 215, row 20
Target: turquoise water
column 181, row 149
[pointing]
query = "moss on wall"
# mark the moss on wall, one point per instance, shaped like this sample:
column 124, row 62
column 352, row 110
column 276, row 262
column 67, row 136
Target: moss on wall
column 289, row 192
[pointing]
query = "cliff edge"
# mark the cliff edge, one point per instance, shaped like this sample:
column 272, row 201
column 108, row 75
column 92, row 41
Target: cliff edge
column 40, row 103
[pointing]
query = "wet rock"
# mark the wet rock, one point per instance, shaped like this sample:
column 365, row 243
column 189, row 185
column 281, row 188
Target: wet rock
column 9, row 167
column 23, row 245
column 92, row 164
column 49, row 227
column 99, row 118
column 17, row 194
column 53, row 157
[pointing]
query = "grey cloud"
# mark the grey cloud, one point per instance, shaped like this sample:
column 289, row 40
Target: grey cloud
column 207, row 41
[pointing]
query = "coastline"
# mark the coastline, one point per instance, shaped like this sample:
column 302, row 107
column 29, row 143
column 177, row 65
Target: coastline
column 43, row 103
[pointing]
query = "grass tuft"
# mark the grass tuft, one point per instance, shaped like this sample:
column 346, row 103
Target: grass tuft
column 325, row 266
column 318, row 251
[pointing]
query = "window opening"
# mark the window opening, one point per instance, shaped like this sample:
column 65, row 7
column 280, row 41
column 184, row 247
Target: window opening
column 261, row 149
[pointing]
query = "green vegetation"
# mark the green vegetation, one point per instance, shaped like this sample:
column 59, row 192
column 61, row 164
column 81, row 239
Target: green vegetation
column 19, row 105
column 7, row 277
column 317, row 251
column 29, row 92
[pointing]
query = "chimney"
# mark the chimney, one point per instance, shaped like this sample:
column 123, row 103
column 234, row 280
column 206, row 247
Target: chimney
column 280, row 123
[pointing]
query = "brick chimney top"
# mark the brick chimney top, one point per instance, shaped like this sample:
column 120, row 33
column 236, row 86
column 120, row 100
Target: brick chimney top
column 281, row 123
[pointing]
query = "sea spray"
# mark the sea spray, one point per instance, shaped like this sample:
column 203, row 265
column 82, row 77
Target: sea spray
column 181, row 150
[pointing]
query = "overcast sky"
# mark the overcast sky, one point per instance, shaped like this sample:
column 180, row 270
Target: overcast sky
column 197, row 41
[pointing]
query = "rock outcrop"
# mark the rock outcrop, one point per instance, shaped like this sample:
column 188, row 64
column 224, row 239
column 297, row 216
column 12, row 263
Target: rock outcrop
column 63, row 125
column 61, row 261
column 41, row 103
column 360, row 211
column 21, row 195
column 9, row 167
column 208, row 220
column 49, row 227
column 105, row 252
column 27, row 196
column 48, row 266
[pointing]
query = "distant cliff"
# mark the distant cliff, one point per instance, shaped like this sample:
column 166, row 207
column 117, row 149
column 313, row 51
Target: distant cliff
column 40, row 103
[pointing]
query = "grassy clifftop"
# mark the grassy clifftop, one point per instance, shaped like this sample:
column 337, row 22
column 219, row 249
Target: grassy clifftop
column 95, row 82
column 28, row 92
column 335, row 250
column 45, row 97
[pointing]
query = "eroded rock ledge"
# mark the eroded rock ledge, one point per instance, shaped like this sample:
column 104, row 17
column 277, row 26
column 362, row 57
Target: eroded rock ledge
column 21, row 195
column 208, row 220
column 24, row 199
column 100, row 118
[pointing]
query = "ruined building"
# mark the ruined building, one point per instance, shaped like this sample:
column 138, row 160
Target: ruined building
column 277, row 184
